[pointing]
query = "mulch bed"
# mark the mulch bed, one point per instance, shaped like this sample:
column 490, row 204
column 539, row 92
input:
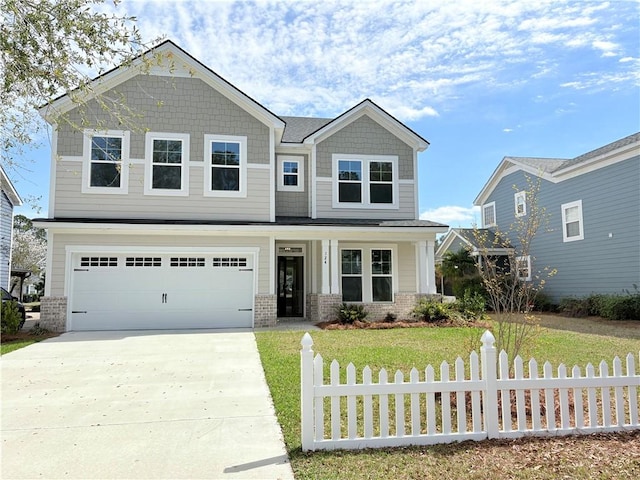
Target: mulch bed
column 381, row 325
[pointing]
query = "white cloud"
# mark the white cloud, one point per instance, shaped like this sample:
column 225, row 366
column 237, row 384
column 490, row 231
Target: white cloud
column 415, row 57
column 453, row 215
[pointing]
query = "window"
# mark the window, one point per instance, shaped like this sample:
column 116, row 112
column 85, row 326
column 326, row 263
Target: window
column 365, row 181
column 105, row 158
column 572, row 225
column 520, row 200
column 99, row 262
column 489, row 214
column 143, row 262
column 352, row 275
column 226, row 165
column 367, row 273
column 229, row 262
column 523, row 264
column 381, row 277
column 290, row 173
column 187, row 262
column 167, row 164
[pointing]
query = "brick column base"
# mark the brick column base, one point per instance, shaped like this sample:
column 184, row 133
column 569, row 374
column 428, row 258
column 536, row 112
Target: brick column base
column 322, row 308
column 53, row 313
column 265, row 312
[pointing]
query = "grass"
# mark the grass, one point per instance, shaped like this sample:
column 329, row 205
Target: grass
column 573, row 341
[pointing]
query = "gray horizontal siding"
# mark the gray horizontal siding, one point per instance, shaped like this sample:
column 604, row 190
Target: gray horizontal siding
column 71, row 203
column 6, row 224
column 610, row 205
column 324, row 205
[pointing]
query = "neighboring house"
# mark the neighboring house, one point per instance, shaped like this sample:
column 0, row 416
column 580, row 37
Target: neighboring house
column 9, row 199
column 593, row 207
column 219, row 213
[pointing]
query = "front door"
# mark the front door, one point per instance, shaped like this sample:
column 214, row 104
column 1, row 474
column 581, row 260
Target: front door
column 290, row 287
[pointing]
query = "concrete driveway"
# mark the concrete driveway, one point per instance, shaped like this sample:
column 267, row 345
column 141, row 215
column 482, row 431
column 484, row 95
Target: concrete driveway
column 153, row 404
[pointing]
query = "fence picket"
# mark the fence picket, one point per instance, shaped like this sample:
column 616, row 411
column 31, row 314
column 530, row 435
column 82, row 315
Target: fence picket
column 606, row 396
column 399, row 397
column 476, row 411
column 591, row 398
column 536, row 421
column 505, row 396
column 461, row 407
column 564, row 399
column 633, row 398
column 549, row 404
column 335, row 401
column 353, row 426
column 577, row 400
column 384, row 406
column 618, row 392
column 415, row 404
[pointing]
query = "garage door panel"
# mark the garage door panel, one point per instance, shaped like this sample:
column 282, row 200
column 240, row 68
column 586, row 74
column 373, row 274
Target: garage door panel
column 167, row 292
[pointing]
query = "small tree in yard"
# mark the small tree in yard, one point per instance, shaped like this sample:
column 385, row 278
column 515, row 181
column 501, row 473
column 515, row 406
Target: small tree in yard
column 511, row 285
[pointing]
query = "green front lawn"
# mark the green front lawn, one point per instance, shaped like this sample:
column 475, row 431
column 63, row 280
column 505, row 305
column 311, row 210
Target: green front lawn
column 406, row 348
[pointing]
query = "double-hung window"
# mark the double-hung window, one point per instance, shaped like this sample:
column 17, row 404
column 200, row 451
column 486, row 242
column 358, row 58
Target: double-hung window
column 523, row 264
column 351, row 275
column 367, row 273
column 365, row 181
column 225, row 165
column 105, row 157
column 489, row 215
column 167, row 164
column 290, row 173
column 572, row 224
column 520, row 200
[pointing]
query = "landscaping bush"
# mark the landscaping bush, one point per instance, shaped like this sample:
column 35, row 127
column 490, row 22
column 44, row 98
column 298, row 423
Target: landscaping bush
column 472, row 305
column 472, row 284
column 389, row 318
column 349, row 313
column 431, row 311
column 575, row 307
column 542, row 303
column 612, row 307
column 11, row 318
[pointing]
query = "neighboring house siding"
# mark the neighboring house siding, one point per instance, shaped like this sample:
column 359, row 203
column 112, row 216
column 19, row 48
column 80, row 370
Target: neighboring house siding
column 61, row 241
column 610, row 205
column 168, row 105
column 6, row 222
column 364, row 137
column 294, row 204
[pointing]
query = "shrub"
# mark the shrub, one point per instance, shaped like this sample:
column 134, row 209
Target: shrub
column 431, row 311
column 389, row 318
column 349, row 313
column 37, row 330
column 11, row 317
column 472, row 284
column 575, row 307
column 615, row 307
column 471, row 305
column 542, row 303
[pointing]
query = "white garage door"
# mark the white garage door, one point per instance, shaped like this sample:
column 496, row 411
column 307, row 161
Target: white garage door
column 134, row 291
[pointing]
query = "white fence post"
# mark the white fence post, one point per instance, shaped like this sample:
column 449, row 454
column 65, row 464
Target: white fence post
column 489, row 376
column 306, row 392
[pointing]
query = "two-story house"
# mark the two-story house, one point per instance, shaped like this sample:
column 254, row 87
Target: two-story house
column 9, row 199
column 219, row 213
column 592, row 207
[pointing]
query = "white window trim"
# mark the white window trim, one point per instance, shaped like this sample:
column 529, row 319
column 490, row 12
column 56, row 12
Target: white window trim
column 484, row 207
column 88, row 134
column 520, row 197
column 527, row 259
column 367, row 277
column 148, row 160
column 290, row 188
column 563, row 208
column 366, row 201
column 242, row 140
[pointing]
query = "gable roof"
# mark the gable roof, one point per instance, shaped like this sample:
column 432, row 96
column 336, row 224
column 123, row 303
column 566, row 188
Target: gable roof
column 8, row 188
column 369, row 108
column 559, row 169
column 490, row 241
column 181, row 63
column 298, row 128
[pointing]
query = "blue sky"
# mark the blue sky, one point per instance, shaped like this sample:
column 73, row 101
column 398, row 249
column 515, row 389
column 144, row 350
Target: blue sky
column 479, row 79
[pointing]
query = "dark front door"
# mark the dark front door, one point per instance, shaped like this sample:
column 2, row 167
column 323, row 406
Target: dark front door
column 290, row 287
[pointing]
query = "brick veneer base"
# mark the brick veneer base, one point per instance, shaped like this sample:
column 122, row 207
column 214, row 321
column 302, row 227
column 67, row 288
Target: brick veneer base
column 53, row 313
column 265, row 311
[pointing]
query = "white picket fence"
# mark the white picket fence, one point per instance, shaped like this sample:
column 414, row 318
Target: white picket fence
column 486, row 403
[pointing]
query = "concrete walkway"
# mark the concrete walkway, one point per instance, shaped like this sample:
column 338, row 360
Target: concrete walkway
column 154, row 404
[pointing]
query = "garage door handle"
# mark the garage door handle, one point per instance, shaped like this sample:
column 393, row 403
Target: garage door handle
column 78, row 311
column 80, row 269
column 245, row 309
column 245, row 269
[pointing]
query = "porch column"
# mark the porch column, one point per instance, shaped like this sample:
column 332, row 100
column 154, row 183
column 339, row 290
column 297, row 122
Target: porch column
column 335, row 277
column 431, row 267
column 421, row 257
column 326, row 288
